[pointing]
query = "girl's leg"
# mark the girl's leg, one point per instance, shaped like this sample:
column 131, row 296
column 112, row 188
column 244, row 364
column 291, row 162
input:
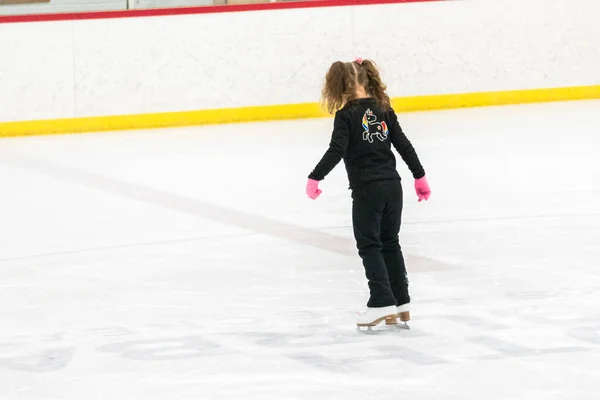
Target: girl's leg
column 367, row 211
column 392, row 252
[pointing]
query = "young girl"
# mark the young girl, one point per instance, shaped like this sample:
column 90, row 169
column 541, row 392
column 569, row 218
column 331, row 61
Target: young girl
column 364, row 128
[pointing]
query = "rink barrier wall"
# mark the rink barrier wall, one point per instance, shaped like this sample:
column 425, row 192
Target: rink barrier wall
column 213, row 9
column 71, row 76
column 286, row 112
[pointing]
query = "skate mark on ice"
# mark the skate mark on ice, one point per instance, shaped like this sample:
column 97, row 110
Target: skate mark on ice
column 113, row 331
column 306, row 314
column 470, row 321
column 327, row 364
column 55, row 337
column 165, row 327
column 531, row 295
column 446, row 301
column 506, row 349
column 274, row 339
column 121, row 246
column 500, row 345
column 558, row 319
column 167, row 348
column 541, row 352
column 589, row 334
column 234, row 322
column 48, row 361
column 412, row 356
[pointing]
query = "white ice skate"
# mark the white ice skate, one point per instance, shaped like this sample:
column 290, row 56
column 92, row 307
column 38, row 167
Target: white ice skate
column 375, row 315
column 403, row 315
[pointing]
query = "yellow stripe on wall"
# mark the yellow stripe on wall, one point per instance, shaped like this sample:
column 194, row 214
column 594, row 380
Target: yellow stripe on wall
column 483, row 99
column 289, row 111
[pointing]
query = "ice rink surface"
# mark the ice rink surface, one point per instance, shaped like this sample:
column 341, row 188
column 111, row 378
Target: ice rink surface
column 189, row 264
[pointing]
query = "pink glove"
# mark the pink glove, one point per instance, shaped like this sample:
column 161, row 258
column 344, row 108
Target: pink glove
column 422, row 188
column 312, row 189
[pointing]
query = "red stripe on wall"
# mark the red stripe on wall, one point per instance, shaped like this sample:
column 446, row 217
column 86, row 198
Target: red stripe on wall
column 196, row 10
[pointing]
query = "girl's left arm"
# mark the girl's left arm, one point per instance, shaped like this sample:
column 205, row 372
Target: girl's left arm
column 337, row 148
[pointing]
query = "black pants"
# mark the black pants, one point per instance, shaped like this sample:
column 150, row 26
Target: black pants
column 376, row 218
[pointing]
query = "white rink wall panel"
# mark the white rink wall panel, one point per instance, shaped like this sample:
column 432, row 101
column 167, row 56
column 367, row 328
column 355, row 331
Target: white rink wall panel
column 472, row 46
column 169, row 3
column 36, row 71
column 192, row 62
column 209, row 61
column 62, row 6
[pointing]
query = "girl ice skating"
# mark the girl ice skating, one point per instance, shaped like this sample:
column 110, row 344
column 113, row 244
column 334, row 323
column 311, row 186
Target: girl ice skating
column 364, row 129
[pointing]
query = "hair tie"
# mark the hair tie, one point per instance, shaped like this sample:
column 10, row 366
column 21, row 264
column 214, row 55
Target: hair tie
column 358, row 60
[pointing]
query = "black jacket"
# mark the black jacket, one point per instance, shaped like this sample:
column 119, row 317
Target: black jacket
column 363, row 135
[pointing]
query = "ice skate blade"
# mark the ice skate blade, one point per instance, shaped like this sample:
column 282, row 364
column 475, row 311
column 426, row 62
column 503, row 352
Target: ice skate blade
column 385, row 329
column 403, row 325
column 389, row 320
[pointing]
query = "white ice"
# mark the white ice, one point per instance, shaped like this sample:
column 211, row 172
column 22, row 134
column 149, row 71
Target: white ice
column 189, row 264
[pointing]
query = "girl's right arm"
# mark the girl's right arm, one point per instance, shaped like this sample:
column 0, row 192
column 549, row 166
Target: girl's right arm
column 405, row 147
